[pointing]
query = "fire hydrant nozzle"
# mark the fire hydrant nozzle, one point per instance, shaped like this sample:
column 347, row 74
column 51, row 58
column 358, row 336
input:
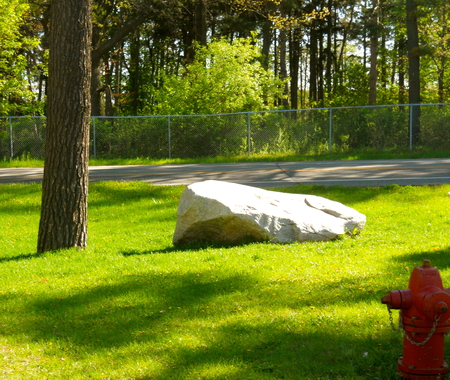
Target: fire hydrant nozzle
column 398, row 299
column 441, row 307
column 424, row 318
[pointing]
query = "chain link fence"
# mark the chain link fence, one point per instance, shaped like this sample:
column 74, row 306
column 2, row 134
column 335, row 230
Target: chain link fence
column 301, row 132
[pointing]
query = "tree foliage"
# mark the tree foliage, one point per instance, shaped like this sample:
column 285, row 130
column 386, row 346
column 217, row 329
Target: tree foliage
column 330, row 52
column 13, row 85
column 222, row 78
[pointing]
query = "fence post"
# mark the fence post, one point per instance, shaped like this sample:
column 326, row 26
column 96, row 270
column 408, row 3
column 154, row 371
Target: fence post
column 94, row 140
column 249, row 137
column 11, row 146
column 411, row 127
column 169, row 136
column 330, row 132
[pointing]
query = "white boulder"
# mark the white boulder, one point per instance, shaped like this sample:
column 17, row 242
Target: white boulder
column 217, row 211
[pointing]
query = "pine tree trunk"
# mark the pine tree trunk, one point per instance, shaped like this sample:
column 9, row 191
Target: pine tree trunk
column 401, row 70
column 413, row 67
column 373, row 76
column 283, row 68
column 96, row 85
column 313, row 91
column 294, row 49
column 63, row 221
column 200, row 25
column 267, row 42
column 135, row 65
column 329, row 52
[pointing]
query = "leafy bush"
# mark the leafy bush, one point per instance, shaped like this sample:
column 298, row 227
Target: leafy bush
column 223, row 78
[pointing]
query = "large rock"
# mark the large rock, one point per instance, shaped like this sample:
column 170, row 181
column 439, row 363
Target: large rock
column 216, row 211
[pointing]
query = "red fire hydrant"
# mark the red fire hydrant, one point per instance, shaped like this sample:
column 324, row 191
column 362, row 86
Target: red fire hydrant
column 424, row 318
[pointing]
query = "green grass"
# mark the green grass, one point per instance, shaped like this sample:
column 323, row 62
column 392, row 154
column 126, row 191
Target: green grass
column 132, row 306
column 25, row 161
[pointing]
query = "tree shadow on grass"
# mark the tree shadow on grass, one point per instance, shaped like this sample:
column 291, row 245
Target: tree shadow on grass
column 28, row 256
column 439, row 257
column 275, row 353
column 152, row 310
column 193, row 247
column 137, row 307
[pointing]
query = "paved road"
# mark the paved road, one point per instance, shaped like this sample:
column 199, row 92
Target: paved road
column 267, row 174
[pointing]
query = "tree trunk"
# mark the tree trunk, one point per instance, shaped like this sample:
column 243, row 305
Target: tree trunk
column 267, row 42
column 413, row 67
column 441, row 82
column 294, row 49
column 100, row 50
column 109, row 110
column 401, row 70
column 63, row 222
column 373, row 29
column 313, row 94
column 320, row 79
column 383, row 51
column 195, row 29
column 135, row 49
column 329, row 51
column 200, row 25
column 96, row 85
column 283, row 70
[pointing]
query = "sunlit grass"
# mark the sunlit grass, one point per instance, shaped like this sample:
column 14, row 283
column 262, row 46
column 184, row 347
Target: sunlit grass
column 132, row 306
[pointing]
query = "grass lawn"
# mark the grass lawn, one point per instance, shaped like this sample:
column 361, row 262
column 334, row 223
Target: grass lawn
column 131, row 306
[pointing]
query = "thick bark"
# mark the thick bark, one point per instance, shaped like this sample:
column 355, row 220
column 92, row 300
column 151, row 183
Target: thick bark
column 63, row 222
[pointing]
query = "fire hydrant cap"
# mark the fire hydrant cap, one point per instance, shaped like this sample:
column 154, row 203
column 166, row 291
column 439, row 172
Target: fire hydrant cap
column 441, row 307
column 436, row 305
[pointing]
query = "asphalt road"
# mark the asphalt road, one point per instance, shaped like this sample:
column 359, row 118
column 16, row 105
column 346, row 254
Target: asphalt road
column 267, row 174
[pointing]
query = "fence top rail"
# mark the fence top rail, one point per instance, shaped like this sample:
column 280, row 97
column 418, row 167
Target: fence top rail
column 244, row 112
column 22, row 117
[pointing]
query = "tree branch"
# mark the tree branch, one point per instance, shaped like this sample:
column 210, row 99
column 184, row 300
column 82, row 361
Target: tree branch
column 130, row 26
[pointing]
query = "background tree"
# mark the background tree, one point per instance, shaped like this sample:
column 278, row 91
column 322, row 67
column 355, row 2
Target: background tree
column 113, row 22
column 222, row 78
column 435, row 32
column 332, row 53
column 413, row 66
column 14, row 90
column 63, row 222
column 374, row 35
